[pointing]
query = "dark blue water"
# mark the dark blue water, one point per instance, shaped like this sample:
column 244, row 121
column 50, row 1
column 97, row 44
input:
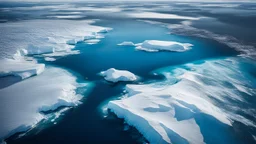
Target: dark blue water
column 85, row 123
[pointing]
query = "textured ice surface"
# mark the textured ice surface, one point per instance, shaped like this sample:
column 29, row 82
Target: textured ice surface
column 164, row 112
column 43, row 36
column 22, row 102
column 21, row 68
column 115, row 75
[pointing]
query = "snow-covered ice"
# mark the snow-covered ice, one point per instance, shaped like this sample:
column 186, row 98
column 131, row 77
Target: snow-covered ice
column 157, row 45
column 115, row 75
column 164, row 112
column 22, row 102
column 92, row 41
column 44, row 36
column 155, row 15
column 21, row 68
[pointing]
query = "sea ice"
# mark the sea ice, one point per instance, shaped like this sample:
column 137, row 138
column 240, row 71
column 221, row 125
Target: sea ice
column 115, row 75
column 21, row 103
column 21, row 68
column 126, row 43
column 164, row 112
column 157, row 45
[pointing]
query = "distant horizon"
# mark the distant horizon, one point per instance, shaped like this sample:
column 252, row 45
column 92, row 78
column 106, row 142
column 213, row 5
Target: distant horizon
column 201, row 1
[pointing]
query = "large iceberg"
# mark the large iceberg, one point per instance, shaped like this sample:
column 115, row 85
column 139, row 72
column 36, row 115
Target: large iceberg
column 22, row 103
column 166, row 111
column 157, row 45
column 20, row 68
column 115, row 75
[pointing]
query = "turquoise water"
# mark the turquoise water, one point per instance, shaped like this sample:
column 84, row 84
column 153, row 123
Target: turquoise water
column 85, row 124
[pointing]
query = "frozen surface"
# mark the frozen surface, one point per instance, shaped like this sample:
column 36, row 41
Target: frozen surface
column 126, row 43
column 115, row 75
column 155, row 15
column 157, row 45
column 43, row 36
column 53, row 88
column 21, row 68
column 164, row 112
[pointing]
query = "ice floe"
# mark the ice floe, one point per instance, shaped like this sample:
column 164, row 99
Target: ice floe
column 50, row 90
column 115, row 75
column 126, row 43
column 158, row 45
column 20, row 68
column 165, row 112
column 155, row 15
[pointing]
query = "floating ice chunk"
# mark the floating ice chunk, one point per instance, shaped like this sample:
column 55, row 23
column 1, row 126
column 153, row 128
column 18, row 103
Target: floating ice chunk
column 126, row 43
column 21, row 68
column 48, row 91
column 155, row 15
column 92, row 41
column 49, row 59
column 105, row 30
column 156, row 45
column 114, row 75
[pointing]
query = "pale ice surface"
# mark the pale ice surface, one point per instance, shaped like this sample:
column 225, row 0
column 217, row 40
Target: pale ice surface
column 126, row 43
column 53, row 88
column 20, row 68
column 157, row 45
column 44, row 36
column 115, row 75
column 164, row 112
column 155, row 15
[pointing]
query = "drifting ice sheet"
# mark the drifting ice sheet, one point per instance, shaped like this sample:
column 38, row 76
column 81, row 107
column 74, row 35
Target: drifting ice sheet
column 55, row 87
column 164, row 112
column 114, row 75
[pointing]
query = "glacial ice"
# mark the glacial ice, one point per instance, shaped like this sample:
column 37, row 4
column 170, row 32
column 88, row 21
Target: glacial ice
column 21, row 68
column 164, row 112
column 115, row 75
column 53, row 88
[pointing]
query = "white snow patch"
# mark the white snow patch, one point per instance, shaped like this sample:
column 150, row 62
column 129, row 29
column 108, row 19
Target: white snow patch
column 115, row 75
column 48, row 91
column 156, row 45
